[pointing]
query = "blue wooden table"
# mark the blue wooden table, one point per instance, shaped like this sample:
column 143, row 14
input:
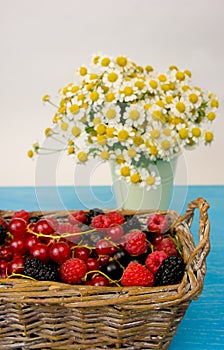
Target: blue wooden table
column 203, row 325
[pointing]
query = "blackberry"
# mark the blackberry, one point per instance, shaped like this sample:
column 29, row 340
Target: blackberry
column 3, row 234
column 131, row 223
column 92, row 213
column 171, row 271
column 40, row 270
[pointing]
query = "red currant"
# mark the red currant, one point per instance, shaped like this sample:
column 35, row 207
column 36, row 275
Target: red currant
column 105, row 247
column 115, row 233
column 82, row 253
column 92, row 264
column 40, row 251
column 3, row 266
column 16, row 265
column 31, row 240
column 18, row 245
column 5, row 253
column 99, row 281
column 17, row 227
column 59, row 252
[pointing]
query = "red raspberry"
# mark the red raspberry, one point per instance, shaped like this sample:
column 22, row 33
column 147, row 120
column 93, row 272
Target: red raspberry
column 69, row 228
column 101, row 221
column 115, row 217
column 168, row 246
column 154, row 260
column 77, row 217
column 136, row 274
column 158, row 223
column 73, row 270
column 135, row 242
column 21, row 214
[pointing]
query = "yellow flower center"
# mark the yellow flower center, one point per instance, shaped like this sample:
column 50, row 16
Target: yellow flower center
column 48, row 132
column 93, row 76
column 180, row 76
column 96, row 120
column 135, row 178
column 211, row 116
column 81, row 97
column 105, row 155
column 101, row 129
column 128, row 91
column 82, row 156
column 188, row 72
column 185, row 88
column 120, row 159
column 140, row 84
column 214, row 103
column 74, row 109
column 71, row 150
column 110, row 97
column 94, row 96
column 111, row 113
column 134, row 115
column 165, row 87
column 82, row 71
column 153, row 84
column 153, row 150
column 76, row 131
column 165, row 145
column 160, row 103
column 102, row 140
column 105, row 62
column 138, row 140
column 74, row 89
column 193, row 98
column 147, row 106
column 150, row 180
column 162, row 78
column 64, row 126
column 62, row 110
column 89, row 86
column 112, row 77
column 132, row 153
column 180, row 106
column 30, row 153
column 46, row 98
column 149, row 69
column 209, row 136
column 196, row 132
column 110, row 132
column 183, row 133
column 169, row 99
column 155, row 133
column 167, row 132
column 125, row 171
column 121, row 61
column 122, row 135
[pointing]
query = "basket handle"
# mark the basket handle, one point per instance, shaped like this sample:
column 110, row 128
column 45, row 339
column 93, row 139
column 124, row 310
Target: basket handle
column 203, row 247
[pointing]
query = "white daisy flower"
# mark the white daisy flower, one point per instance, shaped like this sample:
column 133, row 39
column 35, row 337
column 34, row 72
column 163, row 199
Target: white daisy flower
column 134, row 115
column 111, row 113
column 150, row 179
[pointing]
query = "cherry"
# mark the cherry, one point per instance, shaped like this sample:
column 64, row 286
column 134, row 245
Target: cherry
column 105, row 247
column 21, row 214
column 103, row 259
column 59, row 252
column 44, row 226
column 99, row 281
column 40, row 251
column 115, row 232
column 92, row 264
column 18, row 245
column 5, row 253
column 17, row 227
column 82, row 253
column 31, row 240
column 16, row 265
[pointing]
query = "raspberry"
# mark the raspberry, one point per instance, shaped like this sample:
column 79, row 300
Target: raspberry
column 21, row 214
column 158, row 223
column 69, row 228
column 73, row 270
column 78, row 217
column 135, row 242
column 154, row 260
column 137, row 275
column 115, row 217
column 101, row 221
column 168, row 246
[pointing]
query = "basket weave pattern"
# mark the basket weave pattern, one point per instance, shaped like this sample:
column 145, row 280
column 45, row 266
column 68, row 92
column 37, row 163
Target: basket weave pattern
column 51, row 315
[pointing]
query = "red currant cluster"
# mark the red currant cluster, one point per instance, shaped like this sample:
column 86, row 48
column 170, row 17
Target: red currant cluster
column 90, row 247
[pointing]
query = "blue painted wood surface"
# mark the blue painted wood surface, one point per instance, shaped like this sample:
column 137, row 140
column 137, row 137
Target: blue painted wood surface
column 203, row 325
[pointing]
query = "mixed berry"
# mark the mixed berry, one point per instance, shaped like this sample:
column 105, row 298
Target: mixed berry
column 92, row 247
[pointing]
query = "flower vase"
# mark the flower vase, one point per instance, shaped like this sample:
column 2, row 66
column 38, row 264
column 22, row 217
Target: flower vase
column 135, row 197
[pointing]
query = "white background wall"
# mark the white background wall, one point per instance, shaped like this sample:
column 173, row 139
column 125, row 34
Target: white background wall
column 42, row 42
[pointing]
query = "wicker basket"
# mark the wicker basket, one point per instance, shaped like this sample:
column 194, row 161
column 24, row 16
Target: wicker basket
column 51, row 315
